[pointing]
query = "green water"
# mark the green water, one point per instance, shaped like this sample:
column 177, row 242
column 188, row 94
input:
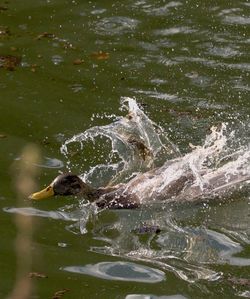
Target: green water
column 187, row 64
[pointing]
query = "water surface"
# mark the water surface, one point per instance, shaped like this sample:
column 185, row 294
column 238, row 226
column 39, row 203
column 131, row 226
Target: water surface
column 187, row 64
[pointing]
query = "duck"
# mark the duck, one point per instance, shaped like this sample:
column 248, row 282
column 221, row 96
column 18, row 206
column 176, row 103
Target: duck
column 173, row 181
column 202, row 174
column 67, row 184
column 169, row 182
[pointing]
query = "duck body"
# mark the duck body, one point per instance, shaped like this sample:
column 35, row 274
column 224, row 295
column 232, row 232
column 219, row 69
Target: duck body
column 183, row 186
column 174, row 181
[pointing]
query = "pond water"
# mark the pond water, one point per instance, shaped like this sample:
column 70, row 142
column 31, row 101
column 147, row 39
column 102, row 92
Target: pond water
column 64, row 67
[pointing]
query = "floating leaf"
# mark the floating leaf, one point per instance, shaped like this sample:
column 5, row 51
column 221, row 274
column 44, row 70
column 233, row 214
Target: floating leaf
column 45, row 35
column 100, row 55
column 60, row 293
column 78, row 61
column 9, row 62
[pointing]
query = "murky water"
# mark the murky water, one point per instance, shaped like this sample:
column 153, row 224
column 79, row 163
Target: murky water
column 64, row 66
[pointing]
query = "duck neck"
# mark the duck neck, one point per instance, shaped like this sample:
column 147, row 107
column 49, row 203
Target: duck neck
column 89, row 192
column 93, row 194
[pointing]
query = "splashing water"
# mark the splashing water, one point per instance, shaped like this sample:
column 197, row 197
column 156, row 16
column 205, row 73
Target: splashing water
column 142, row 146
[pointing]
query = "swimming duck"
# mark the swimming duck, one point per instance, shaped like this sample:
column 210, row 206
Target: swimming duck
column 200, row 174
column 71, row 184
column 170, row 182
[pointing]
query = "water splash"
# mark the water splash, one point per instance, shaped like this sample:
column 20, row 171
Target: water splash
column 139, row 145
column 138, row 142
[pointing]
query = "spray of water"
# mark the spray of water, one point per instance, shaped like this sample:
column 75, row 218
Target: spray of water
column 139, row 143
column 209, row 169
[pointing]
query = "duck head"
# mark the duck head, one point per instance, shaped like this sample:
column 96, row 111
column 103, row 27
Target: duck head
column 64, row 184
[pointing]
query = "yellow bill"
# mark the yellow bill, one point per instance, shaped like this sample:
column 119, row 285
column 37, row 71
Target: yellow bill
column 45, row 193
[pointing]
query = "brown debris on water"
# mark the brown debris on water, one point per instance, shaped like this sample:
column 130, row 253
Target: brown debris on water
column 100, row 55
column 63, row 42
column 9, row 62
column 3, row 8
column 60, row 293
column 4, row 32
column 45, row 35
column 78, row 61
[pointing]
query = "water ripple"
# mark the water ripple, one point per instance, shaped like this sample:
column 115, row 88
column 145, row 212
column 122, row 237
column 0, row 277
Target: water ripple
column 224, row 52
column 152, row 9
column 28, row 211
column 240, row 20
column 123, row 271
column 174, row 30
column 116, row 25
column 48, row 163
column 158, row 95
